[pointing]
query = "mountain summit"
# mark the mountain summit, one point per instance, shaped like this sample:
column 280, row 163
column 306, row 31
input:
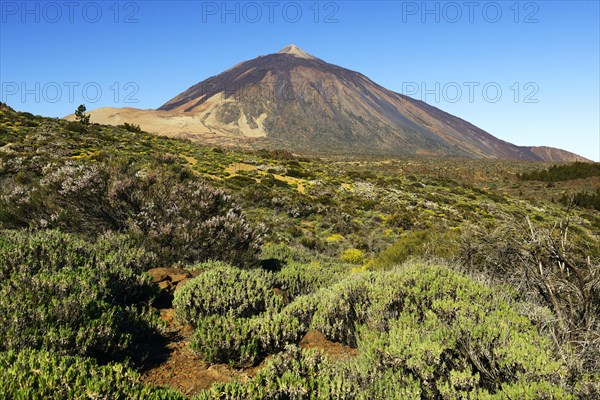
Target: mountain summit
column 296, row 101
column 295, row 51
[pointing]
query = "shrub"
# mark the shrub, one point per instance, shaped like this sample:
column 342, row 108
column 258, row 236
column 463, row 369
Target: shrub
column 286, row 253
column 550, row 267
column 224, row 289
column 227, row 339
column 418, row 244
column 76, row 127
column 583, row 199
column 294, row 375
column 334, row 238
column 423, row 332
column 64, row 294
column 352, row 256
column 178, row 218
column 275, row 331
column 309, row 374
column 436, row 318
column 303, row 309
column 41, row 375
column 243, row 341
column 405, row 220
column 131, row 127
column 342, row 307
column 297, row 279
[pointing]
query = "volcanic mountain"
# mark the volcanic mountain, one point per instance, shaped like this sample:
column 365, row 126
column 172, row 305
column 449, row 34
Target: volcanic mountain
column 296, row 101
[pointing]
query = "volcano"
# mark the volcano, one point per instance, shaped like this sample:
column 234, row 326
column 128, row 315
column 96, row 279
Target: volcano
column 295, row 101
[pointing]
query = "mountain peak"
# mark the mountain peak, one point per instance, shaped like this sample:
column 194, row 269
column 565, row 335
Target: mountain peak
column 294, row 101
column 294, row 50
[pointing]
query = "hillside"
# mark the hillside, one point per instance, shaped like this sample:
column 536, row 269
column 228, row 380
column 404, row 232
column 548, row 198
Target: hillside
column 296, row 101
column 130, row 260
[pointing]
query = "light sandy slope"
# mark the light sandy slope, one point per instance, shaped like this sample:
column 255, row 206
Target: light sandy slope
column 176, row 124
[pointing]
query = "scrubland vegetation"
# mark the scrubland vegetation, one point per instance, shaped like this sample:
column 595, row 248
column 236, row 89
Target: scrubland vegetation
column 446, row 288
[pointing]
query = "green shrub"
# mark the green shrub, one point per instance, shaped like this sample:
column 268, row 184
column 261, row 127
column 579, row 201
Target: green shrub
column 422, row 332
column 557, row 173
column 41, row 375
column 223, row 290
column 286, row 254
column 303, row 309
column 418, row 244
column 243, row 341
column 342, row 307
column 76, row 127
column 131, row 127
column 227, row 339
column 64, row 294
column 583, row 199
column 309, row 374
column 297, row 279
column 405, row 220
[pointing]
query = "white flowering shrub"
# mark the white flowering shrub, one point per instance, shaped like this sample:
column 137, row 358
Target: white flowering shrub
column 186, row 221
column 176, row 216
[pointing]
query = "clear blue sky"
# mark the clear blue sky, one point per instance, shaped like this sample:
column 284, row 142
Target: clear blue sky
column 543, row 56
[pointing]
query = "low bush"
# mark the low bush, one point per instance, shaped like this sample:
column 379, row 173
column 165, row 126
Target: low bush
column 62, row 293
column 422, row 332
column 297, row 279
column 292, row 375
column 227, row 339
column 173, row 214
column 309, row 374
column 244, row 341
column 40, row 375
column 131, row 127
column 426, row 244
column 223, row 289
column 583, row 199
column 352, row 256
column 342, row 307
column 76, row 127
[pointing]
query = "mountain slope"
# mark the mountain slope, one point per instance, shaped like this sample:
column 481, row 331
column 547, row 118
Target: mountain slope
column 296, row 101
